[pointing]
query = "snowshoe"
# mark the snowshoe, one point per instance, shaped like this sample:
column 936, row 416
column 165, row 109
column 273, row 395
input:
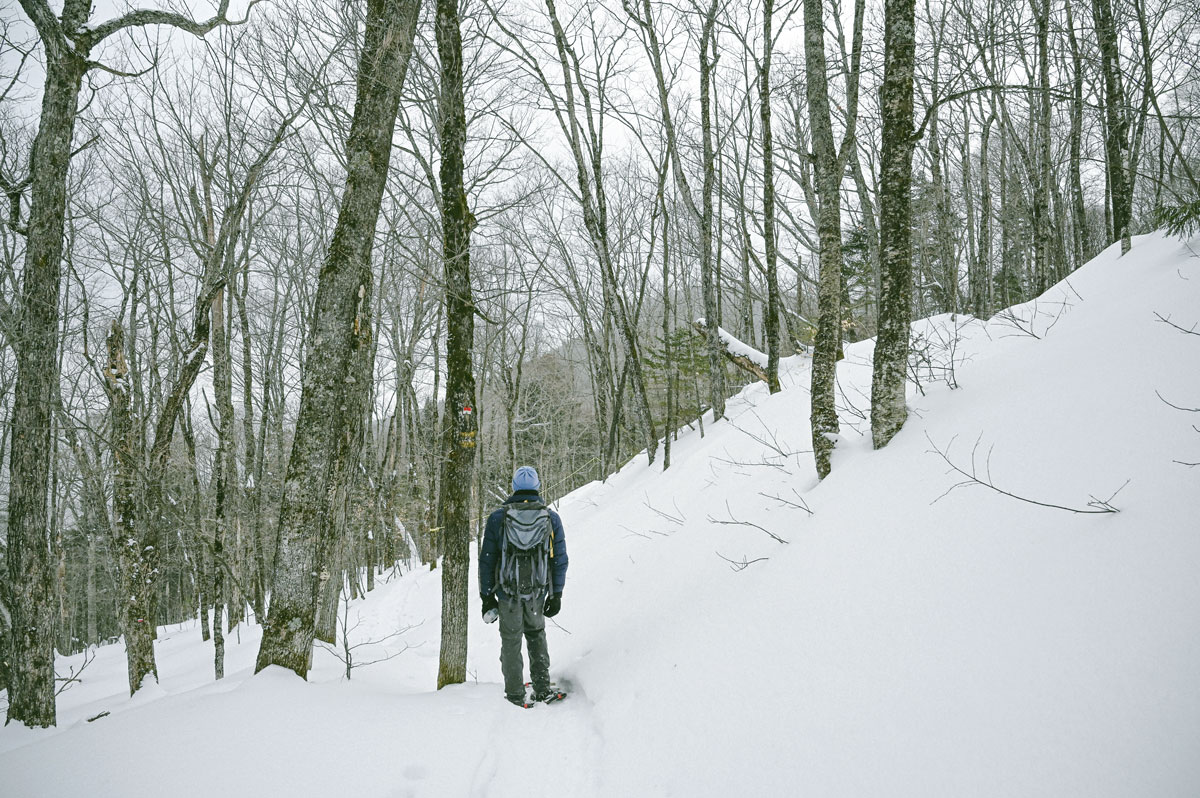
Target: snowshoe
column 548, row 696
column 521, row 702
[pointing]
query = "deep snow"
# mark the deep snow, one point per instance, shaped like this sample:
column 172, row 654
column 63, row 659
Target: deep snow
column 897, row 643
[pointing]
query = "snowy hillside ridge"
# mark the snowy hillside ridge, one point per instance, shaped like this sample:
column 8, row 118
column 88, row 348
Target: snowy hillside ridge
column 733, row 626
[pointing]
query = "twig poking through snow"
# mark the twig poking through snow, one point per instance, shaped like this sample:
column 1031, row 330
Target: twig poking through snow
column 734, row 522
column 1187, row 331
column 74, row 675
column 743, row 564
column 973, row 477
column 677, row 520
column 799, row 504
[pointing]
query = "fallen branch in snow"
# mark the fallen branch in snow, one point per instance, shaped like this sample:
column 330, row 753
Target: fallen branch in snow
column 643, row 534
column 1187, row 331
column 1177, row 407
column 972, row 477
column 737, row 566
column 765, row 462
column 734, row 522
column 799, row 504
column 1186, row 410
column 103, row 714
column 738, row 353
column 773, row 443
column 678, row 521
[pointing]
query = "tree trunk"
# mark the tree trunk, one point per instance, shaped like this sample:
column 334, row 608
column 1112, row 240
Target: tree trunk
column 828, row 166
column 133, row 562
column 332, row 397
column 1075, row 178
column 1042, row 232
column 224, row 467
column 770, row 253
column 460, row 429
column 829, row 232
column 1116, row 134
column 31, row 654
column 982, row 273
column 888, row 409
column 709, row 287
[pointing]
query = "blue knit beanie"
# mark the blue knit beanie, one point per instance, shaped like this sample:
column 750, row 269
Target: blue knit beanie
column 526, row 478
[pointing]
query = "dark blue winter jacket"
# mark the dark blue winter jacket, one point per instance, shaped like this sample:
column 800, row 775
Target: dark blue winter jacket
column 493, row 539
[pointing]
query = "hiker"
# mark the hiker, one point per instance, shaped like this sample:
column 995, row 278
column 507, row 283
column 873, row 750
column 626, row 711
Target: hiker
column 522, row 570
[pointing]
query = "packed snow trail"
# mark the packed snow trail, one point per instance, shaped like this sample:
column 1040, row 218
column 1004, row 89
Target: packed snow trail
column 906, row 639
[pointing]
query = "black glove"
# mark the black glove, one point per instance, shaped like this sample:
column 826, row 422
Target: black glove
column 553, row 605
column 489, row 603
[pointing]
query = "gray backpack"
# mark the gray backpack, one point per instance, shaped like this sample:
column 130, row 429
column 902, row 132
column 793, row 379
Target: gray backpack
column 526, row 551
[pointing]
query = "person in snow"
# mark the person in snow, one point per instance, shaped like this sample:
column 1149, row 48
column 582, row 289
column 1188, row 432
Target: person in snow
column 522, row 572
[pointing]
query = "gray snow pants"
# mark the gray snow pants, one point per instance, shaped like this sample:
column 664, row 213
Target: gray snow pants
column 523, row 617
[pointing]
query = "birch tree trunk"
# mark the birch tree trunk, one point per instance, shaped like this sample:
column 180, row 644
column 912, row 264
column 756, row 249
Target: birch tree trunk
column 828, row 166
column 829, row 233
column 332, row 395
column 888, row 380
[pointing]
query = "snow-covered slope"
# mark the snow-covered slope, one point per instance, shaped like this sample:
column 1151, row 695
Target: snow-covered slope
column 900, row 640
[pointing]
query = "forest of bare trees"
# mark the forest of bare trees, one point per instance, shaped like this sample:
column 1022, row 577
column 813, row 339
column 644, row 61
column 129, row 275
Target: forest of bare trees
column 289, row 289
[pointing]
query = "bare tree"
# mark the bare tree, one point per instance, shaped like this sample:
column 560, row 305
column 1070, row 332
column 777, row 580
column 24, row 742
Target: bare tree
column 68, row 42
column 703, row 215
column 337, row 368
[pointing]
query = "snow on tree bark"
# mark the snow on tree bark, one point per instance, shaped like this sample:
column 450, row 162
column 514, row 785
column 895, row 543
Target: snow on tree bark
column 133, row 564
column 332, row 396
column 461, row 422
column 888, row 410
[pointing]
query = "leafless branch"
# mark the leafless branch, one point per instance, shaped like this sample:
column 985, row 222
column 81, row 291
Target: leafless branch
column 1186, row 330
column 89, row 655
column 677, row 520
column 973, row 477
column 1177, row 407
column 735, row 522
column 740, row 565
column 799, row 504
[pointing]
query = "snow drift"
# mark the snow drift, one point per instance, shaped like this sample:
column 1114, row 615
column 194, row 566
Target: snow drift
column 733, row 626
